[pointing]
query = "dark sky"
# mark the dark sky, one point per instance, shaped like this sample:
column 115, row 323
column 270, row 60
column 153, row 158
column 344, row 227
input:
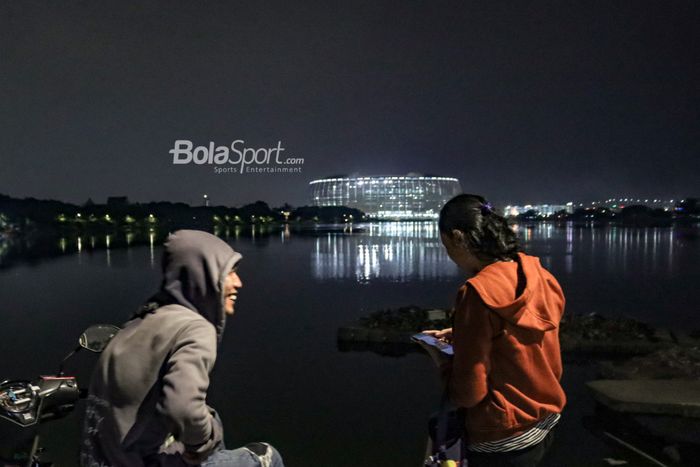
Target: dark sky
column 522, row 101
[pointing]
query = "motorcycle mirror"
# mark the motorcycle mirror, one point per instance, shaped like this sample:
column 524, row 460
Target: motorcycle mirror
column 96, row 337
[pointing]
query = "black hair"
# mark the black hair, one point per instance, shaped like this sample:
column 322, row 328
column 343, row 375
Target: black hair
column 486, row 234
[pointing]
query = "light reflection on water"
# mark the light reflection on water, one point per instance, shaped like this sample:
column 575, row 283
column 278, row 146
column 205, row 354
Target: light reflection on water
column 613, row 248
column 412, row 251
column 396, row 252
column 406, row 251
column 151, row 241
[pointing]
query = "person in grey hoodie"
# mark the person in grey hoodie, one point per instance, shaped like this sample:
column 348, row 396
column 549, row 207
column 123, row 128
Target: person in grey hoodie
column 147, row 401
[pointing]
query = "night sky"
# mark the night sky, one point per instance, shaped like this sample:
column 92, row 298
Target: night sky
column 522, row 101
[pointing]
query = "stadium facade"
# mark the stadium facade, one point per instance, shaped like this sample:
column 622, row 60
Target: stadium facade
column 387, row 197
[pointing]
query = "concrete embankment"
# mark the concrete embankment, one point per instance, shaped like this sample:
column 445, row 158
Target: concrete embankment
column 675, row 397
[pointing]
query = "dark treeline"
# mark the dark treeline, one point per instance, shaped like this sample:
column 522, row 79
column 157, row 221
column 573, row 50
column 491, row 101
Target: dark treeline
column 687, row 210
column 117, row 213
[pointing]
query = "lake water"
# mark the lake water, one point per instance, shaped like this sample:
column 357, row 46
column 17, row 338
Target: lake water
column 280, row 376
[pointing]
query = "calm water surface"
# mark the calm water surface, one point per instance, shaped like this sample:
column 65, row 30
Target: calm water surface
column 279, row 374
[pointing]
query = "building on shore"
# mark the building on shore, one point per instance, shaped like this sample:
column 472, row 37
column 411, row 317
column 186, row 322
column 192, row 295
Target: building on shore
column 612, row 204
column 543, row 210
column 411, row 196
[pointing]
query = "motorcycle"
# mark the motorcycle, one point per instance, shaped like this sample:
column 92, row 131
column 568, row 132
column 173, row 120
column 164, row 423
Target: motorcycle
column 29, row 403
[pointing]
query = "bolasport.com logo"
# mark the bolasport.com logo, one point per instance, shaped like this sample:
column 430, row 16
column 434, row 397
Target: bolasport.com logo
column 236, row 158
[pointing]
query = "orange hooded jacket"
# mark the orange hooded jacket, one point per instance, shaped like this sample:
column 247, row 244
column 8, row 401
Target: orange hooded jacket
column 507, row 362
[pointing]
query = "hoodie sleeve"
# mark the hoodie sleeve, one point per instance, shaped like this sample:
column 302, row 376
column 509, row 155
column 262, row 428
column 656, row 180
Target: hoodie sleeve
column 185, row 385
column 472, row 333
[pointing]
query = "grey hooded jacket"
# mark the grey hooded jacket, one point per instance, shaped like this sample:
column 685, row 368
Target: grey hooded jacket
column 147, row 402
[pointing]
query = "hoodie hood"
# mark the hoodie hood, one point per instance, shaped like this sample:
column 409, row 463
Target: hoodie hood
column 521, row 292
column 195, row 266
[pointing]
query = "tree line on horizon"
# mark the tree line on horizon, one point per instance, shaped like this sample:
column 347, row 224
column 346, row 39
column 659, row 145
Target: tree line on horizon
column 118, row 213
column 31, row 213
column 687, row 209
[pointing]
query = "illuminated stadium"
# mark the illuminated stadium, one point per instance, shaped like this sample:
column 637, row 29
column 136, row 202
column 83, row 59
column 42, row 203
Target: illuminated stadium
column 387, row 197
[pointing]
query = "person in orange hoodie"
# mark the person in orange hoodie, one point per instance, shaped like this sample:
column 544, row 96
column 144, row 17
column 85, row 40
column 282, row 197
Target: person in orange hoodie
column 506, row 367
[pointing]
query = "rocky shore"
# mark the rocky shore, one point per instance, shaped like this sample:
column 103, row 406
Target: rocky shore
column 589, row 335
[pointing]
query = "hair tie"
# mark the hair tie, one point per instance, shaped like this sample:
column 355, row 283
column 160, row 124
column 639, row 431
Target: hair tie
column 486, row 208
